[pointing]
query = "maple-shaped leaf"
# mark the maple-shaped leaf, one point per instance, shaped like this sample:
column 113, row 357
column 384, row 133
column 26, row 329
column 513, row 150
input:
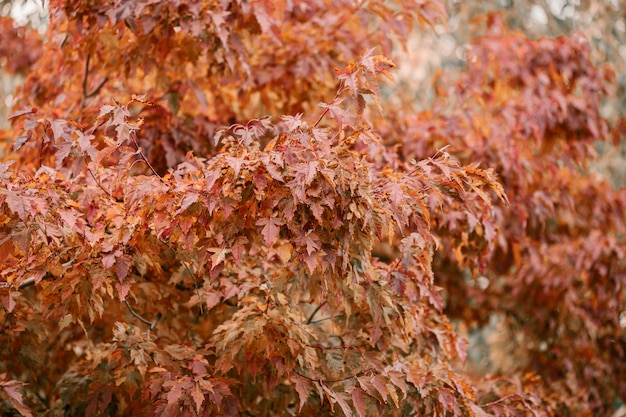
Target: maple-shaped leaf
column 311, row 261
column 198, row 397
column 219, row 255
column 271, row 229
column 105, row 109
column 219, row 22
column 303, row 388
column 70, row 217
column 294, row 122
column 17, row 204
column 10, row 388
column 189, row 199
column 175, row 392
column 235, row 164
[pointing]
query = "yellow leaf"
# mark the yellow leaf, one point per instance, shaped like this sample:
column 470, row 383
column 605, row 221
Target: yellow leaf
column 284, row 252
column 65, row 321
column 282, row 299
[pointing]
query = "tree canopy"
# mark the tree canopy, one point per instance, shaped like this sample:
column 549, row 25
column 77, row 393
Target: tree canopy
column 227, row 208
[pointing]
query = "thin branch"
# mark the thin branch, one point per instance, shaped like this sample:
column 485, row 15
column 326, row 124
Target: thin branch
column 315, row 312
column 146, row 159
column 149, row 323
column 325, row 112
column 41, row 153
column 327, row 318
column 86, row 75
column 506, row 397
column 95, row 91
column 98, row 87
column 330, row 381
column 27, row 283
column 155, row 321
column 100, row 185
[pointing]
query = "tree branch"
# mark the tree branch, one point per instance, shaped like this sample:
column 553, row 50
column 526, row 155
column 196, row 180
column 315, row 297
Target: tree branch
column 330, row 381
column 149, row 323
column 315, row 312
column 95, row 91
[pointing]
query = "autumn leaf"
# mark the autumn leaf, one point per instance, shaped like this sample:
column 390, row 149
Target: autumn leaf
column 271, row 229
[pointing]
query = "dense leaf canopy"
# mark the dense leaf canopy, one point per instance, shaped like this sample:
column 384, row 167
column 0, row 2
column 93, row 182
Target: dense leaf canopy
column 211, row 208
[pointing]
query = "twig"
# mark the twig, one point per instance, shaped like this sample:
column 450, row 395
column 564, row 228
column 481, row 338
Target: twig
column 41, row 153
column 93, row 92
column 100, row 185
column 506, row 397
column 149, row 323
column 325, row 112
column 315, row 312
column 98, row 87
column 86, row 75
column 27, row 283
column 330, row 381
column 327, row 318
column 146, row 159
column 155, row 321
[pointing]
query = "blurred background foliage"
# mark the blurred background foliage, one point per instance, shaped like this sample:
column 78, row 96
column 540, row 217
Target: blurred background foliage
column 603, row 22
column 433, row 56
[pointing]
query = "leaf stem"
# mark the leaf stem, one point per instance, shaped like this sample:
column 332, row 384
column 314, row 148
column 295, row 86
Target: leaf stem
column 339, row 92
column 93, row 92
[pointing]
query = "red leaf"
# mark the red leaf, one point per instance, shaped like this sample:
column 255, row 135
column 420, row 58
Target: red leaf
column 358, row 399
column 174, row 394
column 9, row 301
column 235, row 164
column 197, row 367
column 338, row 396
column 189, row 199
column 17, row 204
column 122, row 266
column 219, row 22
column 446, row 398
column 311, row 261
column 198, row 397
column 381, row 386
column 461, row 348
column 69, row 217
column 18, row 113
column 10, row 388
column 270, row 230
column 122, row 290
column 303, row 388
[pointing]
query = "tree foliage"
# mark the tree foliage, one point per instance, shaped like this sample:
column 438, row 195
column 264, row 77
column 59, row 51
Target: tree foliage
column 208, row 208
